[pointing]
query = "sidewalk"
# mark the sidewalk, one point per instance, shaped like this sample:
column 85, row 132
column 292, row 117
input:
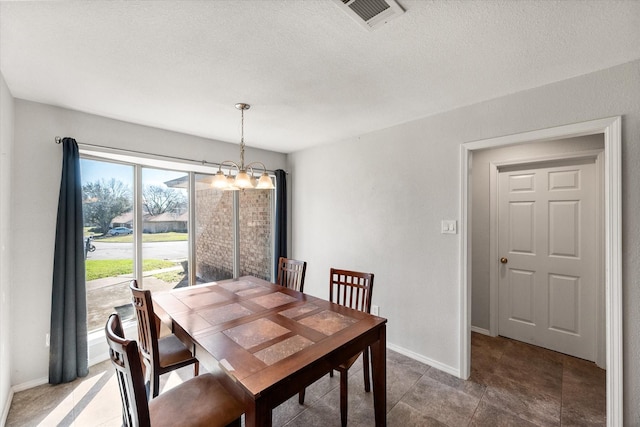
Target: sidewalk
column 126, row 278
column 104, row 296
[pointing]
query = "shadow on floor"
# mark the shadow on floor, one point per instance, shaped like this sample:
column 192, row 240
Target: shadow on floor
column 512, row 384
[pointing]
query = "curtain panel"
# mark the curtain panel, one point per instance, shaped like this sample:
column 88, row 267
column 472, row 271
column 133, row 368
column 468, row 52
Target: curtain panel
column 281, row 217
column 68, row 353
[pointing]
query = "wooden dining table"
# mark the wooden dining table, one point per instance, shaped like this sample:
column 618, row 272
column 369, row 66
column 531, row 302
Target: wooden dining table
column 269, row 342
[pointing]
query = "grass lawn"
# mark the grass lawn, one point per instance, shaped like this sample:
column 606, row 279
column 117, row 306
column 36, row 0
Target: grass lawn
column 157, row 237
column 170, row 276
column 100, row 268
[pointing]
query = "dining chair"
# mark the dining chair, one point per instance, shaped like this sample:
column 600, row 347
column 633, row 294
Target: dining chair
column 199, row 401
column 291, row 273
column 350, row 289
column 161, row 355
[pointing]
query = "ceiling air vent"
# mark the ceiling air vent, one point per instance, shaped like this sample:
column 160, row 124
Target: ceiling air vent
column 371, row 14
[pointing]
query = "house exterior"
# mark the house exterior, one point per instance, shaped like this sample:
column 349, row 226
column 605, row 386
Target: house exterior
column 166, row 222
column 124, row 220
column 163, row 223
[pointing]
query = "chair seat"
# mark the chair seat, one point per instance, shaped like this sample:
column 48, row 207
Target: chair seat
column 172, row 351
column 195, row 403
column 346, row 365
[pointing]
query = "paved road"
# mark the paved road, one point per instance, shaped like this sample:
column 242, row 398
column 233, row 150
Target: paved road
column 155, row 250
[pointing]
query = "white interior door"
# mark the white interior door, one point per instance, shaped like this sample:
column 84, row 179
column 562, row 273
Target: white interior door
column 548, row 257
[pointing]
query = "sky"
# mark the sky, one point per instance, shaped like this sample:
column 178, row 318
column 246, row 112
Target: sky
column 95, row 170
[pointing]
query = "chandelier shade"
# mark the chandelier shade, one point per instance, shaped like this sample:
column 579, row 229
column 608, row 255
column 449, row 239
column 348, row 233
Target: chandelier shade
column 245, row 176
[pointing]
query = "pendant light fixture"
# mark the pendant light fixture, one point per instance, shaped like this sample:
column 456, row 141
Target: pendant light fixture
column 244, row 178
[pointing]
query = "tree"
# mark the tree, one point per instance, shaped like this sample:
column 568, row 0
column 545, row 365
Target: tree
column 158, row 200
column 104, row 200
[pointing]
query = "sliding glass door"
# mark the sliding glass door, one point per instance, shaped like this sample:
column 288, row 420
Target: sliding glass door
column 168, row 229
column 215, row 242
column 234, row 232
column 109, row 253
column 256, row 228
column 165, row 237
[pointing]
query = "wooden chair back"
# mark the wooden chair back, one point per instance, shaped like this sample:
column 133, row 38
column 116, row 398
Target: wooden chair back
column 147, row 330
column 291, row 273
column 351, row 289
column 126, row 361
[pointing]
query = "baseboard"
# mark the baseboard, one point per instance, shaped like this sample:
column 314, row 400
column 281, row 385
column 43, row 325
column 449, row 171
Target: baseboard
column 98, row 352
column 30, row 384
column 480, row 330
column 101, row 357
column 427, row 361
column 7, row 406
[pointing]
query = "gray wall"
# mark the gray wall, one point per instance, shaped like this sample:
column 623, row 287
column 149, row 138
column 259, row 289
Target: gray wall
column 6, row 148
column 481, row 209
column 36, row 177
column 375, row 203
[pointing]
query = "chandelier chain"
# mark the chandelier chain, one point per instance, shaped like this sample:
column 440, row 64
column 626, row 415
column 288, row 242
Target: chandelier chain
column 245, row 176
column 242, row 139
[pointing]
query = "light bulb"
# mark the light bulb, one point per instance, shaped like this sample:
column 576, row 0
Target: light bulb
column 219, row 180
column 243, row 180
column 265, row 182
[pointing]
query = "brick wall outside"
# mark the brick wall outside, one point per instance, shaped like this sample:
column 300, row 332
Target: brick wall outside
column 214, row 233
column 255, row 233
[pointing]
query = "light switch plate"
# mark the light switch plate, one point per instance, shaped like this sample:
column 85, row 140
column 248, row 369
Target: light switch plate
column 449, row 226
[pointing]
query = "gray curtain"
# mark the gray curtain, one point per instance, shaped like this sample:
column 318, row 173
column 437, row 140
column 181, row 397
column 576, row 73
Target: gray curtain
column 68, row 353
column 281, row 217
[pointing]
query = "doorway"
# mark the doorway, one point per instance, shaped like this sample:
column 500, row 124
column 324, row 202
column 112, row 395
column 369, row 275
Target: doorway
column 609, row 128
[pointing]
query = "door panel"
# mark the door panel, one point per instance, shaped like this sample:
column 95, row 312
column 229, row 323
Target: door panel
column 521, row 296
column 564, row 303
column 547, row 234
column 522, row 225
column 564, row 224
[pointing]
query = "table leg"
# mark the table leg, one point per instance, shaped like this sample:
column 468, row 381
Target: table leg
column 257, row 415
column 379, row 366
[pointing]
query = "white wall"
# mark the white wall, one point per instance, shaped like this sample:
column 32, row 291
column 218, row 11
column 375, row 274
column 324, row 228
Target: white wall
column 6, row 149
column 481, row 210
column 375, row 203
column 37, row 166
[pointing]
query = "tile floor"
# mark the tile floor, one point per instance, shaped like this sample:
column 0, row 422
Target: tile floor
column 512, row 384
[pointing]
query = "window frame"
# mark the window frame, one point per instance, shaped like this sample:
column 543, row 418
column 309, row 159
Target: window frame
column 97, row 345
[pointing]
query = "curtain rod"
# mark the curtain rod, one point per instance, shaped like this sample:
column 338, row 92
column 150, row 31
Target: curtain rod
column 202, row 162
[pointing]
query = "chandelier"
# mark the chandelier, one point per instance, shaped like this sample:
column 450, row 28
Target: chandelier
column 245, row 176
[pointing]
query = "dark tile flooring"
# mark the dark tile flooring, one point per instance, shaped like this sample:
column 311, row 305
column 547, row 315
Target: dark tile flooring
column 512, row 384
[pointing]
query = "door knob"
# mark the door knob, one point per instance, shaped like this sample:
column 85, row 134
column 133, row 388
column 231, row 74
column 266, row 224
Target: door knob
column 504, row 260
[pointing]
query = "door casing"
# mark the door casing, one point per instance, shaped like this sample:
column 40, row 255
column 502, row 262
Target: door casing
column 610, row 128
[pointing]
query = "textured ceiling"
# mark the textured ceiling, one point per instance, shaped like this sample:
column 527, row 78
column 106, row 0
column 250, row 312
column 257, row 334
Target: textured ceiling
column 311, row 73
